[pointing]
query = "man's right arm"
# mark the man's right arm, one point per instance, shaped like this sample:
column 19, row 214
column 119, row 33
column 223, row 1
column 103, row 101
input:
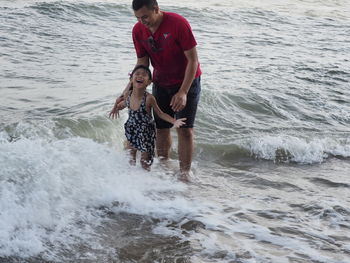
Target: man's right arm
column 140, row 61
column 143, row 61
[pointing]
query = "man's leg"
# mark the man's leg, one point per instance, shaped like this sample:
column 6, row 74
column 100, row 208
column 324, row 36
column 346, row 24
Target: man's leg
column 185, row 149
column 163, row 143
column 186, row 134
column 163, row 138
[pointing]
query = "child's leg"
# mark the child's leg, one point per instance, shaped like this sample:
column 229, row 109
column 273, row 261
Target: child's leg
column 132, row 152
column 146, row 161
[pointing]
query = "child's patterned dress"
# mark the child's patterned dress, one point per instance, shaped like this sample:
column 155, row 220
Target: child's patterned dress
column 140, row 129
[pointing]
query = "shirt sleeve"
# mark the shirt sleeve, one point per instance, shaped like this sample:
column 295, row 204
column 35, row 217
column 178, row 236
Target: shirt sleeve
column 185, row 35
column 136, row 37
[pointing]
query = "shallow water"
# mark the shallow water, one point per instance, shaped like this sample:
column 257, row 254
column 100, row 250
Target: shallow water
column 271, row 169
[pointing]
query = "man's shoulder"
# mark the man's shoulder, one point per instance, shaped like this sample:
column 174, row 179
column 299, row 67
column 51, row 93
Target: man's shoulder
column 175, row 18
column 138, row 27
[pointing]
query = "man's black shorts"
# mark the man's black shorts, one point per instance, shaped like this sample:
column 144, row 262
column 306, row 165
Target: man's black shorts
column 163, row 97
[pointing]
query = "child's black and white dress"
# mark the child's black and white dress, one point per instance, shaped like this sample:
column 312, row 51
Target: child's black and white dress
column 140, row 128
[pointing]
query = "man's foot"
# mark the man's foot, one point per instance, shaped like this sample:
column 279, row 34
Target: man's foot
column 184, row 176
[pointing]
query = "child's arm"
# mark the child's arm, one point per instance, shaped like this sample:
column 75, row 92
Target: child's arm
column 118, row 105
column 177, row 123
column 120, row 101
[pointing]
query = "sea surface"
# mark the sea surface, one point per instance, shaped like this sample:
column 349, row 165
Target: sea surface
column 271, row 170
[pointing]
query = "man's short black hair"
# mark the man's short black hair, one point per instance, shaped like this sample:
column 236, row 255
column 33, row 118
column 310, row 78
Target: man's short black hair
column 150, row 4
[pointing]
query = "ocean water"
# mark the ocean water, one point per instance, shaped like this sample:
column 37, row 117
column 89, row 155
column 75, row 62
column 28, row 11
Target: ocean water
column 271, row 170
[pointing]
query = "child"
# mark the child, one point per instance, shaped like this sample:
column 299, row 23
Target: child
column 140, row 130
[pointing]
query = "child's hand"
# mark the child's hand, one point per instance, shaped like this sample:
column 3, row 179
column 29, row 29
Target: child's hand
column 179, row 122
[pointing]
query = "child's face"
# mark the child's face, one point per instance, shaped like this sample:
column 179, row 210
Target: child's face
column 140, row 79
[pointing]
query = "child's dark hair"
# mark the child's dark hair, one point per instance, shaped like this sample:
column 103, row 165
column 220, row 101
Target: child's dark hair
column 143, row 67
column 138, row 4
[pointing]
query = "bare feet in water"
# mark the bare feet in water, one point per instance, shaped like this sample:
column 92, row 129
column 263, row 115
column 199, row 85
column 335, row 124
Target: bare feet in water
column 184, row 176
column 170, row 166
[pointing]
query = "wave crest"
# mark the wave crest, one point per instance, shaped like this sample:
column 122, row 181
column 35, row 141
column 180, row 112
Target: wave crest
column 285, row 148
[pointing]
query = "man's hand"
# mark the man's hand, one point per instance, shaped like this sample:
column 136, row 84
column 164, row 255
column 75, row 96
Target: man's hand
column 118, row 105
column 178, row 101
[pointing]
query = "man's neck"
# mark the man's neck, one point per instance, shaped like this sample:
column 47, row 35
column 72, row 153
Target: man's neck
column 160, row 17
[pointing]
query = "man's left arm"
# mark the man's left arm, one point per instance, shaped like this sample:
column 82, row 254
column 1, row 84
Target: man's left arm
column 178, row 101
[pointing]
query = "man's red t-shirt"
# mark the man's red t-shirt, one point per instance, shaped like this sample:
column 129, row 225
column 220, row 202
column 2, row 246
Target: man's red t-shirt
column 165, row 48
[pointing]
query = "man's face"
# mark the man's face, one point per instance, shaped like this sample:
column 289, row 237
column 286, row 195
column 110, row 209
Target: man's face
column 147, row 16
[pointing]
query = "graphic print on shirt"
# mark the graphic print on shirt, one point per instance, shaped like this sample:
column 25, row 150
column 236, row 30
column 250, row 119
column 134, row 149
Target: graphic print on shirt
column 159, row 44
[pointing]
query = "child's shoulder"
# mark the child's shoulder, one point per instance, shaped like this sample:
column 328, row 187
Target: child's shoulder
column 149, row 97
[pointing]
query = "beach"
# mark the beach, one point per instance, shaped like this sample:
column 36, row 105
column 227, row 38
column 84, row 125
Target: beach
column 271, row 169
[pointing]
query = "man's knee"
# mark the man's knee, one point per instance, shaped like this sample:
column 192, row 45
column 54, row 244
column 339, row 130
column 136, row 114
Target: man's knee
column 163, row 133
column 163, row 138
column 186, row 133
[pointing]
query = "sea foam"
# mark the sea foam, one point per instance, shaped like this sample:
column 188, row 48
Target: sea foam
column 51, row 191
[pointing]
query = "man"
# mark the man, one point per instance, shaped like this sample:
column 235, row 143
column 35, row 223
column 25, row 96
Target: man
column 165, row 39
